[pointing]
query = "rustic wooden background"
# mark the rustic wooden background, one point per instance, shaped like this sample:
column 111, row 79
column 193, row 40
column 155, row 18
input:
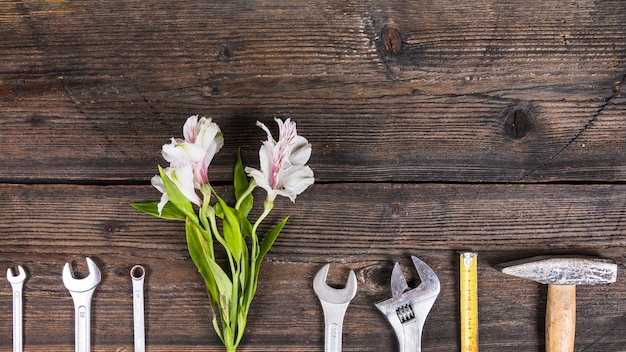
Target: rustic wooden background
column 437, row 126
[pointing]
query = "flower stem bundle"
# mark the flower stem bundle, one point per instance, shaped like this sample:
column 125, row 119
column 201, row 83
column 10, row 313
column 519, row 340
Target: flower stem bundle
column 212, row 225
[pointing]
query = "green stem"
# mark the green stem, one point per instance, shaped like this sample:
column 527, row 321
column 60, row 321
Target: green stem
column 251, row 186
column 252, row 275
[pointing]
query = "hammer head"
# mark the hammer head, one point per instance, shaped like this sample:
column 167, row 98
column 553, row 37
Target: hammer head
column 563, row 270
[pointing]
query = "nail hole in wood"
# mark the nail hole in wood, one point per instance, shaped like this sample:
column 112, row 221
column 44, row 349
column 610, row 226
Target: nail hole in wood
column 518, row 123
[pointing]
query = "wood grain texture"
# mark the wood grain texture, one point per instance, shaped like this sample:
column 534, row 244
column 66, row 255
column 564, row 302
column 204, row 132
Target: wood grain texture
column 437, row 126
column 99, row 87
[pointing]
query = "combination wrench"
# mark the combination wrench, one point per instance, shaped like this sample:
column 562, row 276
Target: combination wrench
column 17, row 283
column 334, row 304
column 82, row 290
column 137, row 274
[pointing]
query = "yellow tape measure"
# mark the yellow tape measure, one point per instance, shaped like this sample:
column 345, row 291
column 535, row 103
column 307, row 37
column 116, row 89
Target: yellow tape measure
column 469, row 303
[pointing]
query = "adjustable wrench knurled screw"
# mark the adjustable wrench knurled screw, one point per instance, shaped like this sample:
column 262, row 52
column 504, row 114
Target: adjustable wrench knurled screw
column 334, row 304
column 82, row 291
column 406, row 311
column 17, row 283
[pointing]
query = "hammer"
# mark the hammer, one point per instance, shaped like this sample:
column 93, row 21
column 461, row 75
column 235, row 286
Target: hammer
column 562, row 274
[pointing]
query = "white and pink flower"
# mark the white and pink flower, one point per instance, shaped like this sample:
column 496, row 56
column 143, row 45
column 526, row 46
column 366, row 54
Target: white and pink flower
column 282, row 163
column 190, row 158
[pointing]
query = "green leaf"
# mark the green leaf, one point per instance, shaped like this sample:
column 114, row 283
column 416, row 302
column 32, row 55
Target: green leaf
column 240, row 178
column 200, row 254
column 225, row 288
column 241, row 184
column 232, row 230
column 176, row 197
column 169, row 212
column 268, row 241
column 245, row 225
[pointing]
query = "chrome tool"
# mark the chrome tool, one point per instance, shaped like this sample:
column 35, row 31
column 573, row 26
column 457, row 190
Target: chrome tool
column 137, row 274
column 406, row 310
column 82, row 291
column 334, row 304
column 17, row 283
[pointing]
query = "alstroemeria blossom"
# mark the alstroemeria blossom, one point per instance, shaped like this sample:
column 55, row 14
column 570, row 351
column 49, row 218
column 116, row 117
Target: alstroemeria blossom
column 283, row 171
column 189, row 158
column 183, row 178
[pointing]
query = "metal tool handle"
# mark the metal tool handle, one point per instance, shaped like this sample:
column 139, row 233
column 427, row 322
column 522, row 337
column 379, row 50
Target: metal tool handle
column 82, row 321
column 412, row 341
column 17, row 317
column 333, row 325
column 137, row 273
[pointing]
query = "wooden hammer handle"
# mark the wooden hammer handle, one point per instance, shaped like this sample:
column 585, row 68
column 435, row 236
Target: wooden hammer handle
column 561, row 318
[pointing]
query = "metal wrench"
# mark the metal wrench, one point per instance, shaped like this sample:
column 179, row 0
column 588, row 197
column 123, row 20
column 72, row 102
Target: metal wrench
column 406, row 311
column 17, row 283
column 137, row 273
column 334, row 304
column 82, row 291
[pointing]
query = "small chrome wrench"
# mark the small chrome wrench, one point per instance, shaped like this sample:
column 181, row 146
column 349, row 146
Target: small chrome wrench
column 137, row 274
column 334, row 304
column 82, row 291
column 407, row 311
column 17, row 283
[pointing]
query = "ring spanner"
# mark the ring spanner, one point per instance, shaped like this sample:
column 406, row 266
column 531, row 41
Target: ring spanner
column 334, row 304
column 407, row 311
column 17, row 283
column 82, row 291
column 137, row 274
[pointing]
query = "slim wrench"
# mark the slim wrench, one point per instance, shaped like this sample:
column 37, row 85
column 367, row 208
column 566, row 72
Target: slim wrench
column 17, row 283
column 137, row 273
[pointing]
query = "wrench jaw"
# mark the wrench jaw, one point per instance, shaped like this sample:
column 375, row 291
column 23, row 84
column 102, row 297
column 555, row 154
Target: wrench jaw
column 16, row 279
column 81, row 285
column 406, row 311
column 331, row 294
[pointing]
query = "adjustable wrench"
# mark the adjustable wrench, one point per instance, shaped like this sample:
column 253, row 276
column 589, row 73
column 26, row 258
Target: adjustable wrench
column 82, row 291
column 406, row 311
column 17, row 283
column 334, row 304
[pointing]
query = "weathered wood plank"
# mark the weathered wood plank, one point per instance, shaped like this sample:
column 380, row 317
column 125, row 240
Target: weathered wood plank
column 97, row 88
column 44, row 226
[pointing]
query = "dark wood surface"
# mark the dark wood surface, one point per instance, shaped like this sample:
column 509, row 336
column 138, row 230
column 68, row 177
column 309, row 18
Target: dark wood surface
column 437, row 127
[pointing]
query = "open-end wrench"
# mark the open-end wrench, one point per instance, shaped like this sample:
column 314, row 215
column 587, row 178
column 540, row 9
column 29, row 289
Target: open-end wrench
column 334, row 304
column 137, row 274
column 406, row 311
column 17, row 283
column 82, row 291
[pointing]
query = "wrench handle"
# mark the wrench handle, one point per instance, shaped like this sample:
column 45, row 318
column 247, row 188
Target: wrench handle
column 137, row 274
column 333, row 325
column 83, row 329
column 17, row 318
column 82, row 320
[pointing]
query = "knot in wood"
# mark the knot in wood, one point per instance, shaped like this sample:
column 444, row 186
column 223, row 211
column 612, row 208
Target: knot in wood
column 518, row 123
column 392, row 40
